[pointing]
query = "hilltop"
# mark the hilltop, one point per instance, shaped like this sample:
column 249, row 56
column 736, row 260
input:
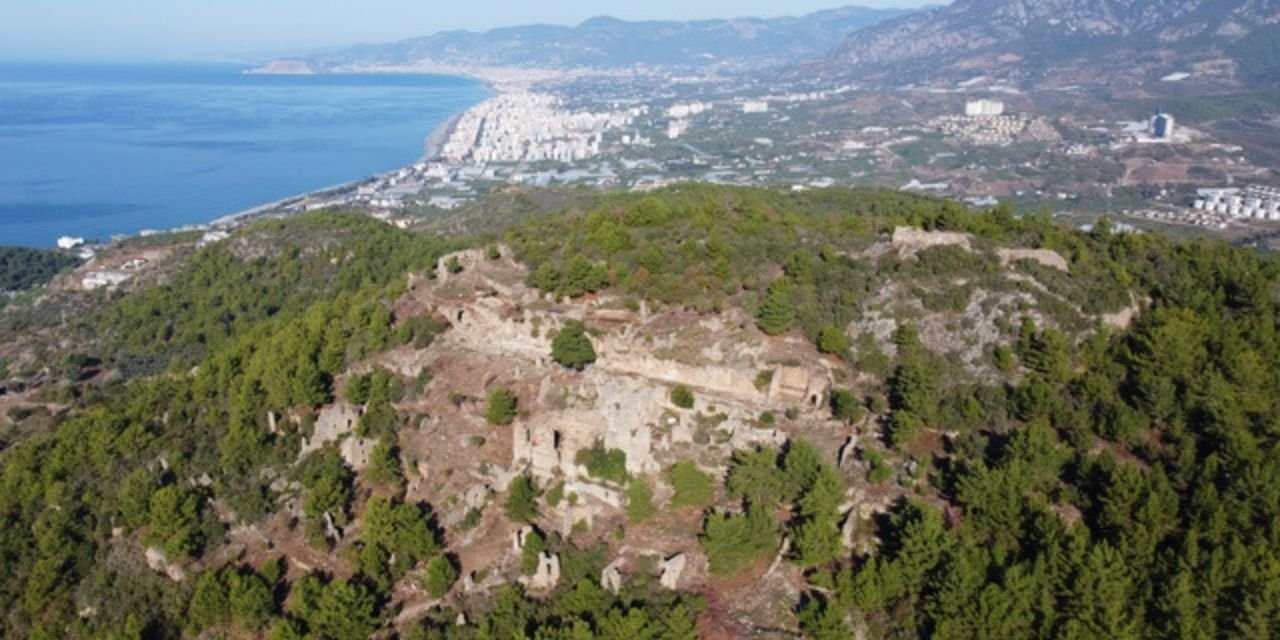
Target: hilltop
column 696, row 412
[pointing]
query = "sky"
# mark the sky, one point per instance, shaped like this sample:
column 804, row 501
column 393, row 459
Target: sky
column 192, row 29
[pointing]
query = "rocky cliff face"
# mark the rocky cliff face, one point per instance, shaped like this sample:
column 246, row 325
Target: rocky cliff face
column 1003, row 34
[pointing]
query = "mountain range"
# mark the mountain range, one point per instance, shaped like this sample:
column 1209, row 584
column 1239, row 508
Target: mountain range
column 605, row 43
column 1068, row 41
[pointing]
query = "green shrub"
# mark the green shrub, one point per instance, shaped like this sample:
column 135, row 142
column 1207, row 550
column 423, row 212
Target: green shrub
column 846, row 406
column 640, row 501
column 903, row 428
column 472, row 519
column 604, row 464
column 501, row 409
column 1004, row 359
column 832, row 339
column 682, row 397
column 879, row 471
column 534, row 545
column 693, row 487
column 555, row 495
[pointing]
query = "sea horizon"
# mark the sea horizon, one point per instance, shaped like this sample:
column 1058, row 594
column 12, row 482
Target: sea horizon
column 96, row 150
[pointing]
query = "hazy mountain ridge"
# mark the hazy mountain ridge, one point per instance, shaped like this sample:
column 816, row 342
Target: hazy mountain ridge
column 611, row 43
column 1039, row 37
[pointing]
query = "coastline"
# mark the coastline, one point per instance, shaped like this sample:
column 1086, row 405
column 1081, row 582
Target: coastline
column 409, row 128
column 432, row 145
column 436, row 140
column 298, row 203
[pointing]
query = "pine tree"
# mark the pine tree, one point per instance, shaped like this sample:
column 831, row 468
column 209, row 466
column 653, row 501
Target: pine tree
column 210, row 603
column 440, row 576
column 250, row 600
column 817, row 534
column 522, row 501
column 680, row 624
column 823, row 620
column 776, row 312
column 1100, row 598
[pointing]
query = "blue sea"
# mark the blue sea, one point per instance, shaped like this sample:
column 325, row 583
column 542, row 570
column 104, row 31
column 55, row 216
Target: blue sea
column 99, row 150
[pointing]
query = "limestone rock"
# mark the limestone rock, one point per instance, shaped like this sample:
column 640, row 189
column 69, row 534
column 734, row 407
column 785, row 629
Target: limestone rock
column 159, row 563
column 611, row 577
column 848, row 452
column 156, row 559
column 849, row 529
column 175, row 572
column 477, row 496
column 672, row 568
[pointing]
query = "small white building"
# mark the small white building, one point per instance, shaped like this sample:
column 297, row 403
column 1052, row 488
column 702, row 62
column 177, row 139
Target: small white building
column 99, row 279
column 69, row 242
column 211, row 237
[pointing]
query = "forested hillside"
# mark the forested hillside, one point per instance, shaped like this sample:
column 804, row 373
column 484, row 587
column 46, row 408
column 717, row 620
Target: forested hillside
column 1084, row 449
column 22, row 268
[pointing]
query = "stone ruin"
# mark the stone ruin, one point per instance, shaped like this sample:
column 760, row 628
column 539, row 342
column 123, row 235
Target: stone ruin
column 547, row 575
column 337, row 422
column 799, row 387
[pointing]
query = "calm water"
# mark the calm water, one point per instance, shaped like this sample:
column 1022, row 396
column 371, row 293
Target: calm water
column 99, row 150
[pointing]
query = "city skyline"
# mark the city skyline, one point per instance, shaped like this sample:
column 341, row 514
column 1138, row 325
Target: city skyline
column 155, row 30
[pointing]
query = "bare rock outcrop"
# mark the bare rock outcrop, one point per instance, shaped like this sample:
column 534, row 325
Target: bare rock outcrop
column 159, row 562
column 909, row 241
column 611, row 577
column 672, row 568
column 1046, row 257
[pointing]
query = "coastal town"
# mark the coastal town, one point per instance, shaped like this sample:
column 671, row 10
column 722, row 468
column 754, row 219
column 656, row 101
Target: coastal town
column 976, row 141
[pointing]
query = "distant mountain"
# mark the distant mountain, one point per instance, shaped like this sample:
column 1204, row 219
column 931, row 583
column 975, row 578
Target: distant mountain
column 1068, row 41
column 609, row 43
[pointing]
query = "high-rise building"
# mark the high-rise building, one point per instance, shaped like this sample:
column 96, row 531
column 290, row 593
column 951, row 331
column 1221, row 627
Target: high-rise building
column 1161, row 125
